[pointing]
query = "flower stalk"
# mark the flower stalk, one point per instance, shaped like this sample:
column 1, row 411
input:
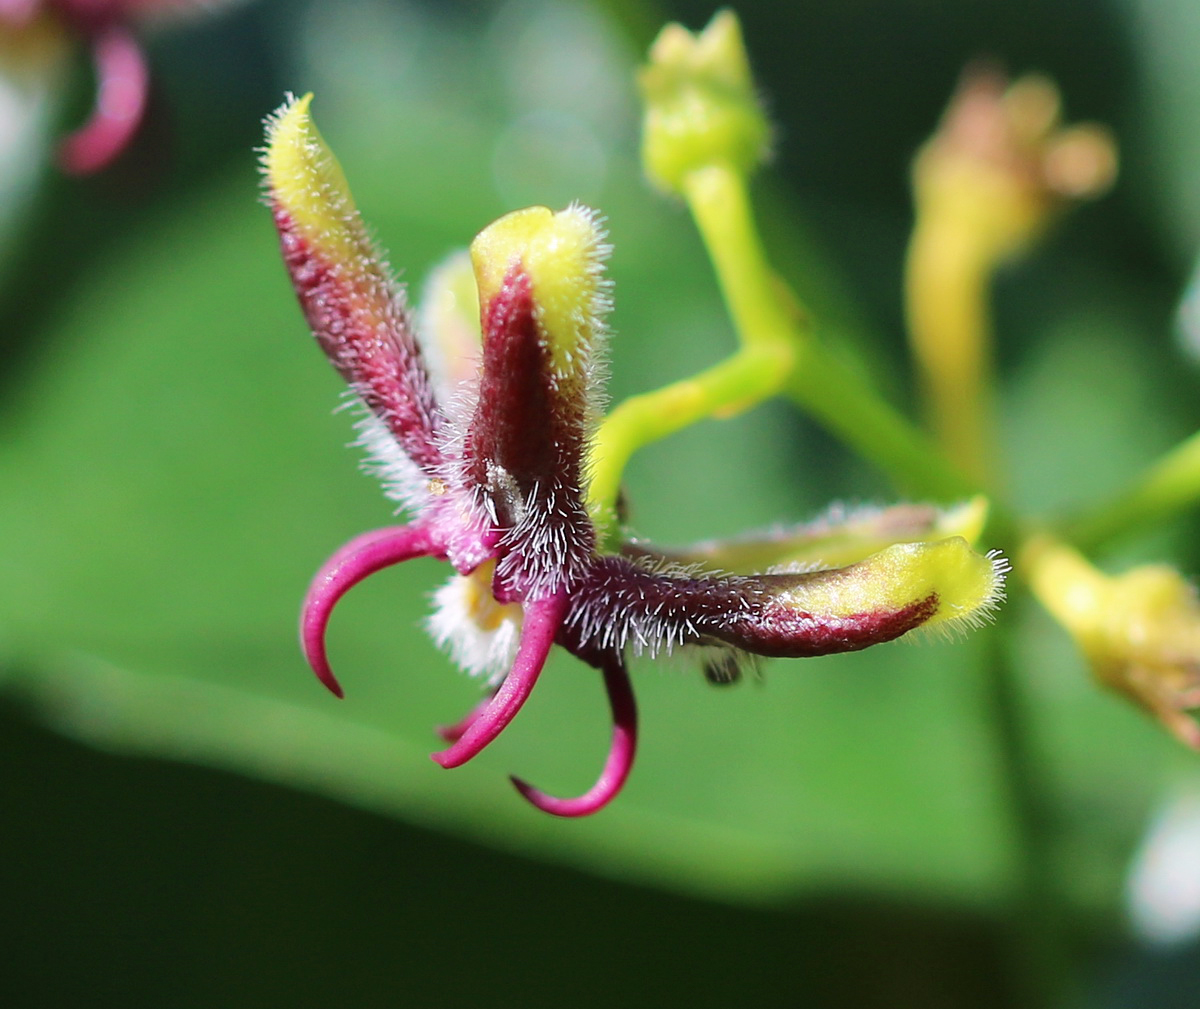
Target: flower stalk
column 1167, row 487
column 704, row 134
column 985, row 186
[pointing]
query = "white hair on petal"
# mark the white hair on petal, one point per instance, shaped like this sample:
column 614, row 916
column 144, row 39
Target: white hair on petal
column 617, row 613
column 595, row 319
column 403, row 480
column 959, row 625
column 476, row 648
column 548, row 532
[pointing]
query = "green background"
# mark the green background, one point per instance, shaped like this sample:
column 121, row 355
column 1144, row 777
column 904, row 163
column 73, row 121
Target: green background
column 190, row 820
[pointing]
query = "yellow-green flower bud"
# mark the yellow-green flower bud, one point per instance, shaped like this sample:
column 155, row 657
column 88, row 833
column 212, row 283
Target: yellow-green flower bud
column 701, row 107
column 1001, row 163
column 1140, row 631
column 562, row 255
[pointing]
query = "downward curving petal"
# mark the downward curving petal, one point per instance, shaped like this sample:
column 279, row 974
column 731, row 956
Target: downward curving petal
column 454, row 732
column 122, row 81
column 358, row 559
column 543, row 619
column 620, row 754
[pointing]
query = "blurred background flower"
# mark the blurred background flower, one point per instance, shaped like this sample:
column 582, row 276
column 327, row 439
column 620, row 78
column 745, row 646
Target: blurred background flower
column 201, row 828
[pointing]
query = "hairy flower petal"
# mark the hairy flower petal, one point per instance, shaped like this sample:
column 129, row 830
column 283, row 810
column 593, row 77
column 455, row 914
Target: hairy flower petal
column 903, row 587
column 353, row 306
column 563, row 255
column 627, row 603
column 620, row 754
column 542, row 298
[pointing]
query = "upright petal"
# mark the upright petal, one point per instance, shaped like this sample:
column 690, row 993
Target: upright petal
column 355, row 308
column 542, row 301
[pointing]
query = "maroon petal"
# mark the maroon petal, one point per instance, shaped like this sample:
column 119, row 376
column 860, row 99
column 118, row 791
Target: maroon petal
column 542, row 621
column 636, row 603
column 358, row 559
column 353, row 305
column 620, row 755
column 524, row 448
column 543, row 299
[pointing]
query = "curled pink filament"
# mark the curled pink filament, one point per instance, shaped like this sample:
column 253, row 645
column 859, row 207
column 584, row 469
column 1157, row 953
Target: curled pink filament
column 358, row 559
column 542, row 621
column 620, row 754
column 122, row 81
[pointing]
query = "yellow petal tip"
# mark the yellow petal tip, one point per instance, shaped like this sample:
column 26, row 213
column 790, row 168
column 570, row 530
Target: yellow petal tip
column 304, row 178
column 563, row 255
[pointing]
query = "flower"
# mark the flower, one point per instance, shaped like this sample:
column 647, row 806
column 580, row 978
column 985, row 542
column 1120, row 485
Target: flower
column 1001, row 163
column 999, row 168
column 1140, row 630
column 122, row 77
column 493, row 469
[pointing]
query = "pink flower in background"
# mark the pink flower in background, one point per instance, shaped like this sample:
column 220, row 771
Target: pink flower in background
column 108, row 28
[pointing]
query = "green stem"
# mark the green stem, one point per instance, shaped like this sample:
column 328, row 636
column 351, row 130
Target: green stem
column 828, row 390
column 748, row 377
column 765, row 314
column 1169, row 486
column 946, row 279
column 1039, row 929
column 720, row 205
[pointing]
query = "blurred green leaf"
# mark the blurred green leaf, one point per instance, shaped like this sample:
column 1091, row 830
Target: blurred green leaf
column 172, row 477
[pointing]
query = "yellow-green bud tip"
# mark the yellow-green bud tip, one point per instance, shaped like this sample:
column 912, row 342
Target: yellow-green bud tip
column 563, row 255
column 306, row 182
column 967, row 586
column 700, row 104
